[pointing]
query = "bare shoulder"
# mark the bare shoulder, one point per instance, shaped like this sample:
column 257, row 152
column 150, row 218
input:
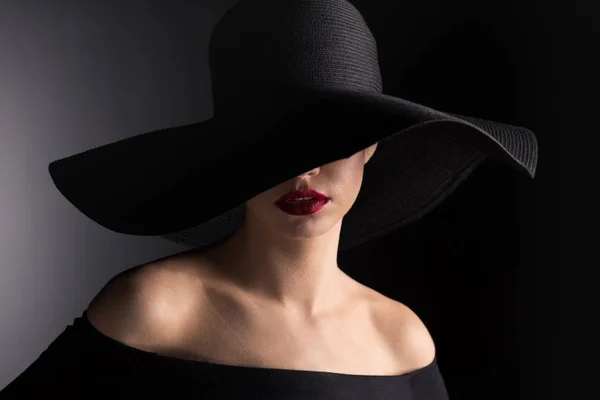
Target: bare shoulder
column 406, row 334
column 145, row 304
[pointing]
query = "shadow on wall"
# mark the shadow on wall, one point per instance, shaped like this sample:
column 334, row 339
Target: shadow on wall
column 456, row 267
column 466, row 69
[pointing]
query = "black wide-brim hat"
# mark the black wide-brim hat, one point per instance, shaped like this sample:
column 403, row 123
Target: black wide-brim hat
column 296, row 85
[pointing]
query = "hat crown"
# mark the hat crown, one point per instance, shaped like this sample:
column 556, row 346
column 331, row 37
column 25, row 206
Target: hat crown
column 260, row 45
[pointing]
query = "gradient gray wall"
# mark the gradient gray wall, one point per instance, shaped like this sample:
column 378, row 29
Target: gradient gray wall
column 75, row 75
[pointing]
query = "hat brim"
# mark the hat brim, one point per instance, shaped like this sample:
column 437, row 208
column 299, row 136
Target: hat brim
column 193, row 179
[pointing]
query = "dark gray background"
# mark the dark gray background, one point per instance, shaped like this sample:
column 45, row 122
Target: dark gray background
column 74, row 75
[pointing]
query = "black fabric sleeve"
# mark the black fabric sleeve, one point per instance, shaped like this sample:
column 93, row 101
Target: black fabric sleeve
column 79, row 365
column 57, row 368
column 429, row 385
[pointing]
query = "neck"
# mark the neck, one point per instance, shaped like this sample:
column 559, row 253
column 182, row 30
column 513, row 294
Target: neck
column 299, row 274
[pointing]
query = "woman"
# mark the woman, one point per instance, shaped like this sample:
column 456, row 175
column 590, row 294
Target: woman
column 304, row 157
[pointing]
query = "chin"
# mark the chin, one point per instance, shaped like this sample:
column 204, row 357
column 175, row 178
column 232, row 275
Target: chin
column 297, row 227
column 305, row 227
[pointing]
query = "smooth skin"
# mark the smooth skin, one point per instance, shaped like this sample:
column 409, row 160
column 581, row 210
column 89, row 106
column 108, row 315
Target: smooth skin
column 272, row 295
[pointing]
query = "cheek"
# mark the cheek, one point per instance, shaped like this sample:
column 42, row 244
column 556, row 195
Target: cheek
column 347, row 182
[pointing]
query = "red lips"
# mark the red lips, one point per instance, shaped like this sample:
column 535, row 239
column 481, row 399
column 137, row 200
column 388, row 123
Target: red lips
column 298, row 194
column 291, row 204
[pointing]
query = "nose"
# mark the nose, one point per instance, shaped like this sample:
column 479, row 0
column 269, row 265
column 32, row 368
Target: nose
column 312, row 172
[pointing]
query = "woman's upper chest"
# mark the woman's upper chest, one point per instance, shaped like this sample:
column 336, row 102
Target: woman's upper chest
column 225, row 328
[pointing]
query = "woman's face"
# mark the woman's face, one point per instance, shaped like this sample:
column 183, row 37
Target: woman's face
column 340, row 181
